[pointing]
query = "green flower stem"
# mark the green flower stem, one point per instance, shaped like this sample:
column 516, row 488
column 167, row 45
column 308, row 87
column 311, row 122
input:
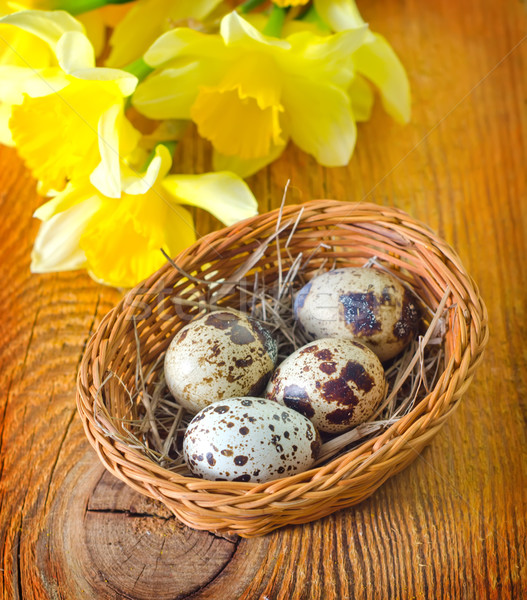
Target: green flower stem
column 77, row 7
column 276, row 22
column 139, row 68
column 248, row 5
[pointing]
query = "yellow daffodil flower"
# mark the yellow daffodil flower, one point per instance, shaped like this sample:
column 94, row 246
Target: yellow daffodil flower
column 374, row 60
column 21, row 55
column 249, row 93
column 67, row 120
column 147, row 20
column 118, row 240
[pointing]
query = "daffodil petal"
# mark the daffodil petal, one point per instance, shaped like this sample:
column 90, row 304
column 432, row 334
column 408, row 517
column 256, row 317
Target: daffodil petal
column 135, row 33
column 328, row 58
column 295, row 26
column 245, row 167
column 377, row 61
column 330, row 48
column 159, row 166
column 224, row 194
column 107, row 175
column 48, row 26
column 184, row 43
column 339, row 14
column 320, row 121
column 72, row 195
column 74, row 51
column 56, row 246
column 362, row 98
column 23, row 49
column 170, row 94
column 125, row 82
column 129, row 137
column 236, row 30
column 146, row 21
column 15, row 82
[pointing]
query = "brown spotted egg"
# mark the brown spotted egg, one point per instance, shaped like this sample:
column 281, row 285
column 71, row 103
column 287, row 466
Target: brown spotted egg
column 335, row 382
column 366, row 305
column 221, row 355
column 249, row 439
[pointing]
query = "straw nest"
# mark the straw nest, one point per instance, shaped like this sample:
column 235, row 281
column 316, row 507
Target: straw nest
column 256, row 265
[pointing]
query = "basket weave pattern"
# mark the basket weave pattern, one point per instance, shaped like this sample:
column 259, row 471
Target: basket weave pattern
column 351, row 234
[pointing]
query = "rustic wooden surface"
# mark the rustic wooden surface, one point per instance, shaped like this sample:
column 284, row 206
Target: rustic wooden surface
column 453, row 524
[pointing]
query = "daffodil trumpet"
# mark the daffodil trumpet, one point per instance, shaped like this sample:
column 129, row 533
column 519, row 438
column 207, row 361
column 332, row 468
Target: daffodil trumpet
column 250, row 93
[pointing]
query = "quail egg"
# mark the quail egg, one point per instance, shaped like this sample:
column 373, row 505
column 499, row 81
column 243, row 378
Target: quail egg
column 249, row 439
column 366, row 305
column 335, row 382
column 221, row 355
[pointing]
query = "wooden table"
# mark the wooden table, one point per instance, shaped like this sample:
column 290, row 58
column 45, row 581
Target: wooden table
column 453, row 524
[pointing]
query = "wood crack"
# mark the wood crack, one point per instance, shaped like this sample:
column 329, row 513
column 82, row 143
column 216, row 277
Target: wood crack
column 146, row 515
column 129, row 513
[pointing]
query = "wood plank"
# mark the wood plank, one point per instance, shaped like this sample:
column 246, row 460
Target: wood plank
column 452, row 524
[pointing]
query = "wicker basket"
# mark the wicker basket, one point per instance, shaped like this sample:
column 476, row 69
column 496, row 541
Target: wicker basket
column 351, row 233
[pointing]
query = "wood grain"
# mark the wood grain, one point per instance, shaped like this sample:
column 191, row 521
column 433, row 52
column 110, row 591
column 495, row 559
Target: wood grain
column 453, row 524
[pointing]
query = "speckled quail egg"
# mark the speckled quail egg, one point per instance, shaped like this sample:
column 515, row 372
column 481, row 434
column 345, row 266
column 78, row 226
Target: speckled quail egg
column 366, row 305
column 249, row 439
column 221, row 355
column 337, row 383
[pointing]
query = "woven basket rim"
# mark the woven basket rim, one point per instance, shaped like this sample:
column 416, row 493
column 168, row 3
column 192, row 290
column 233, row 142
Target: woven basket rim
column 420, row 425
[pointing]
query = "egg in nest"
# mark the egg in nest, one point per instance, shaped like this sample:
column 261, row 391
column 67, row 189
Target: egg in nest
column 336, row 383
column 221, row 355
column 249, row 439
column 362, row 304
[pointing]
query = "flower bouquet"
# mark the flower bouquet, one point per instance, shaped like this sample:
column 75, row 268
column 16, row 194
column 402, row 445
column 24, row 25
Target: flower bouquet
column 97, row 95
